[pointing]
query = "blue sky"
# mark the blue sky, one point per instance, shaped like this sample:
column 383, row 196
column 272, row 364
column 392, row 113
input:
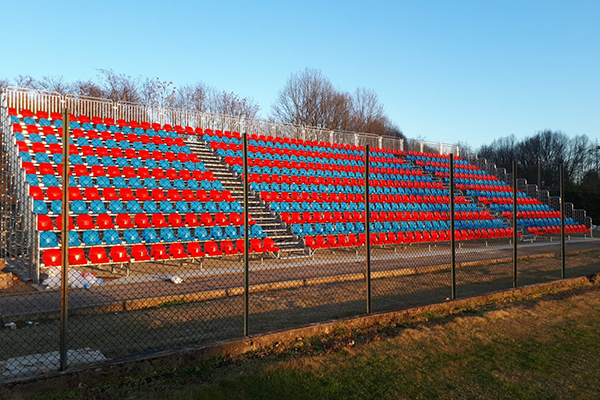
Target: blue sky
column 447, row 71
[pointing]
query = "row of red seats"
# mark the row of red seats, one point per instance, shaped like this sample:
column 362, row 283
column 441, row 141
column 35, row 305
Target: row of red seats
column 507, row 200
column 127, row 194
column 115, row 152
column 355, row 198
column 356, row 216
column 493, row 188
column 114, row 171
column 445, row 164
column 125, row 221
column 269, row 178
column 532, row 214
column 382, row 238
column 555, row 229
column 272, row 139
column 139, row 252
column 109, row 121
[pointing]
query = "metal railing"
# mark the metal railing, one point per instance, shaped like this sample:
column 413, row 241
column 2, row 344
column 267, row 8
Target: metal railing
column 40, row 100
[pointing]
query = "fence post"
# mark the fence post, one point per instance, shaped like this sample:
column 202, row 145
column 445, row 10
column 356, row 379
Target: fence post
column 246, row 239
column 514, row 223
column 563, row 271
column 367, row 228
column 452, row 231
column 64, row 284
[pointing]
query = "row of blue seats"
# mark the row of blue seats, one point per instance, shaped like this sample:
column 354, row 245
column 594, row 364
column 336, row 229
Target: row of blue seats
column 109, row 144
column 327, row 228
column 280, row 157
column 469, row 181
column 456, row 171
column 107, row 161
column 491, row 193
column 306, row 206
column 286, row 146
column 300, row 172
column 86, row 126
column 265, row 187
column 543, row 221
column 120, row 182
column 149, row 235
column 134, row 207
column 285, row 206
column 285, row 157
column 433, row 159
column 303, row 187
column 520, row 207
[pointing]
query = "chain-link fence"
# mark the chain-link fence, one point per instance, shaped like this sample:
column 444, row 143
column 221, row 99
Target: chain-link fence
column 177, row 240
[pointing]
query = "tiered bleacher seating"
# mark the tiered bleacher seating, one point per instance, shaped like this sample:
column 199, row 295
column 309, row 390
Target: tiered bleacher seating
column 137, row 193
column 317, row 189
column 534, row 217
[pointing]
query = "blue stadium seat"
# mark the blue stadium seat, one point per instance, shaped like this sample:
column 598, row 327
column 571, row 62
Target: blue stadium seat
column 48, row 239
column 91, row 238
column 74, row 239
column 111, row 236
column 150, row 236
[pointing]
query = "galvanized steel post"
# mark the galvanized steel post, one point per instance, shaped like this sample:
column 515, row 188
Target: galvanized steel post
column 64, row 284
column 452, row 230
column 514, row 223
column 246, row 238
column 367, row 229
column 563, row 270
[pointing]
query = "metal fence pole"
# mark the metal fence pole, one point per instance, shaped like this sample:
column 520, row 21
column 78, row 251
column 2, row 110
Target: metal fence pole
column 452, row 230
column 64, row 284
column 246, row 239
column 367, row 229
column 514, row 223
column 563, row 271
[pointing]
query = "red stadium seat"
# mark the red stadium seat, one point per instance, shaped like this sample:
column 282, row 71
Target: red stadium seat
column 177, row 251
column 142, row 221
column 124, row 221
column 77, row 256
column 98, row 255
column 159, row 252
column 228, row 248
column 44, row 223
column 212, row 249
column 52, row 258
column 195, row 249
column 119, row 254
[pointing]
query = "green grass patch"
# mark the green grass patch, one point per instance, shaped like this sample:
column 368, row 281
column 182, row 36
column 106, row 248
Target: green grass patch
column 171, row 303
column 536, row 346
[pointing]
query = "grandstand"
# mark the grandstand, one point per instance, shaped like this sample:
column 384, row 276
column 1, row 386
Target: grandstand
column 172, row 188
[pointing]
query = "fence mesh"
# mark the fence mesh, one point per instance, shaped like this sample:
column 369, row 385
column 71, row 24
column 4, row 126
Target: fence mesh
column 157, row 246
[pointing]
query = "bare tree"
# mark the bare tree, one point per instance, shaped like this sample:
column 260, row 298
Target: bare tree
column 27, row 81
column 194, row 97
column 231, row 104
column 308, row 98
column 119, row 87
column 4, row 83
column 88, row 88
column 55, row 84
column 367, row 113
column 158, row 93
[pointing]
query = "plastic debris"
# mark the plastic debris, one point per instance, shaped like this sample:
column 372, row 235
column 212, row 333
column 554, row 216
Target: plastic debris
column 176, row 280
column 10, row 325
column 77, row 279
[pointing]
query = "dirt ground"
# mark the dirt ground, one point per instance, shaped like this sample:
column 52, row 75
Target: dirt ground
column 180, row 324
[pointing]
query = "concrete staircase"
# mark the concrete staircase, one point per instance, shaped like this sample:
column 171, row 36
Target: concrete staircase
column 290, row 246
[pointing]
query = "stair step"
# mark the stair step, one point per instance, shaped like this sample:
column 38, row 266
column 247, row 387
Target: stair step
column 260, row 212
